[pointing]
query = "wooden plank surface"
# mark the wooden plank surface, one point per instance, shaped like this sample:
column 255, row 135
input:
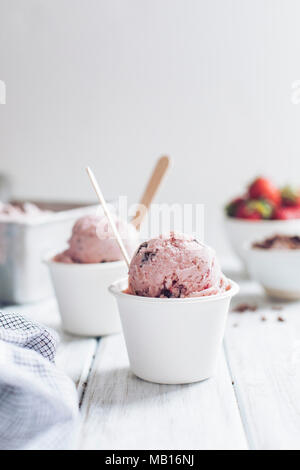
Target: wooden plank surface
column 264, row 358
column 120, row 411
column 261, row 410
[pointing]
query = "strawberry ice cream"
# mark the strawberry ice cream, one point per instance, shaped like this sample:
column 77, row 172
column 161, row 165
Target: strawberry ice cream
column 175, row 266
column 92, row 241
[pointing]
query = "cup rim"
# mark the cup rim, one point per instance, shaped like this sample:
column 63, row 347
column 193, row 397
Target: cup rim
column 48, row 259
column 236, row 220
column 115, row 290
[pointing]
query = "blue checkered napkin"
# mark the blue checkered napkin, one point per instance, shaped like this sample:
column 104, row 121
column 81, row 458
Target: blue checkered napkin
column 38, row 403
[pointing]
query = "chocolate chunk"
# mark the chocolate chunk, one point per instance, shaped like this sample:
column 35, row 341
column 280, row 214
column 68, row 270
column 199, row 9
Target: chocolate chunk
column 142, row 293
column 142, row 245
column 280, row 319
column 148, row 255
column 279, row 242
column 182, row 290
column 241, row 308
column 165, row 293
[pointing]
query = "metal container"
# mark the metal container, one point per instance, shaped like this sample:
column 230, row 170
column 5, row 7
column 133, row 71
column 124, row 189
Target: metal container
column 23, row 276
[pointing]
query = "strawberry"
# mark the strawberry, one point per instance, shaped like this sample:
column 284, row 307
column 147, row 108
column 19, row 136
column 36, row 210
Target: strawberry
column 285, row 213
column 263, row 188
column 244, row 212
column 232, row 207
column 263, row 207
column 255, row 209
column 290, row 196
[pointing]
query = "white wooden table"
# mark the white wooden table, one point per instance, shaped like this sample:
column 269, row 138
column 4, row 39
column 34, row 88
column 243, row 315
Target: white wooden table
column 253, row 402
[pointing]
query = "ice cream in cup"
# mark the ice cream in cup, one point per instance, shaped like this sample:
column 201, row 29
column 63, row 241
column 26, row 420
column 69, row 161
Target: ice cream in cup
column 173, row 308
column 82, row 273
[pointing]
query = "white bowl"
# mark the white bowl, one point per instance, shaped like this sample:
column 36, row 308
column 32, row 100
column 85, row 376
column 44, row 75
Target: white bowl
column 86, row 307
column 240, row 230
column 278, row 271
column 173, row 341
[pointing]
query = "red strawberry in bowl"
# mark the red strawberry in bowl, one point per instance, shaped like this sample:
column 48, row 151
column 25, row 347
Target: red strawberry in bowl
column 244, row 212
column 262, row 188
column 233, row 207
column 251, row 209
column 287, row 213
column 255, row 209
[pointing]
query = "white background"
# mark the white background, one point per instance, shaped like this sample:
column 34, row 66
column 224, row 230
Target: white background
column 116, row 83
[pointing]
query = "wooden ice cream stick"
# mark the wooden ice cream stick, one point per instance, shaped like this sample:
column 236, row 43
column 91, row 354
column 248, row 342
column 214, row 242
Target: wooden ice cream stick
column 150, row 191
column 108, row 214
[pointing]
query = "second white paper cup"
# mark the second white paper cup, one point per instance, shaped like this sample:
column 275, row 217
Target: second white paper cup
column 173, row 341
column 86, row 307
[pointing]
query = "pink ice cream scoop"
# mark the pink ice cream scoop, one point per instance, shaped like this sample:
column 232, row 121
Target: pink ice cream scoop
column 175, row 266
column 92, row 241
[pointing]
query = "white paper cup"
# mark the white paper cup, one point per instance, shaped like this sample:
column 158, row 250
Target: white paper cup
column 86, row 307
column 173, row 341
column 277, row 270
